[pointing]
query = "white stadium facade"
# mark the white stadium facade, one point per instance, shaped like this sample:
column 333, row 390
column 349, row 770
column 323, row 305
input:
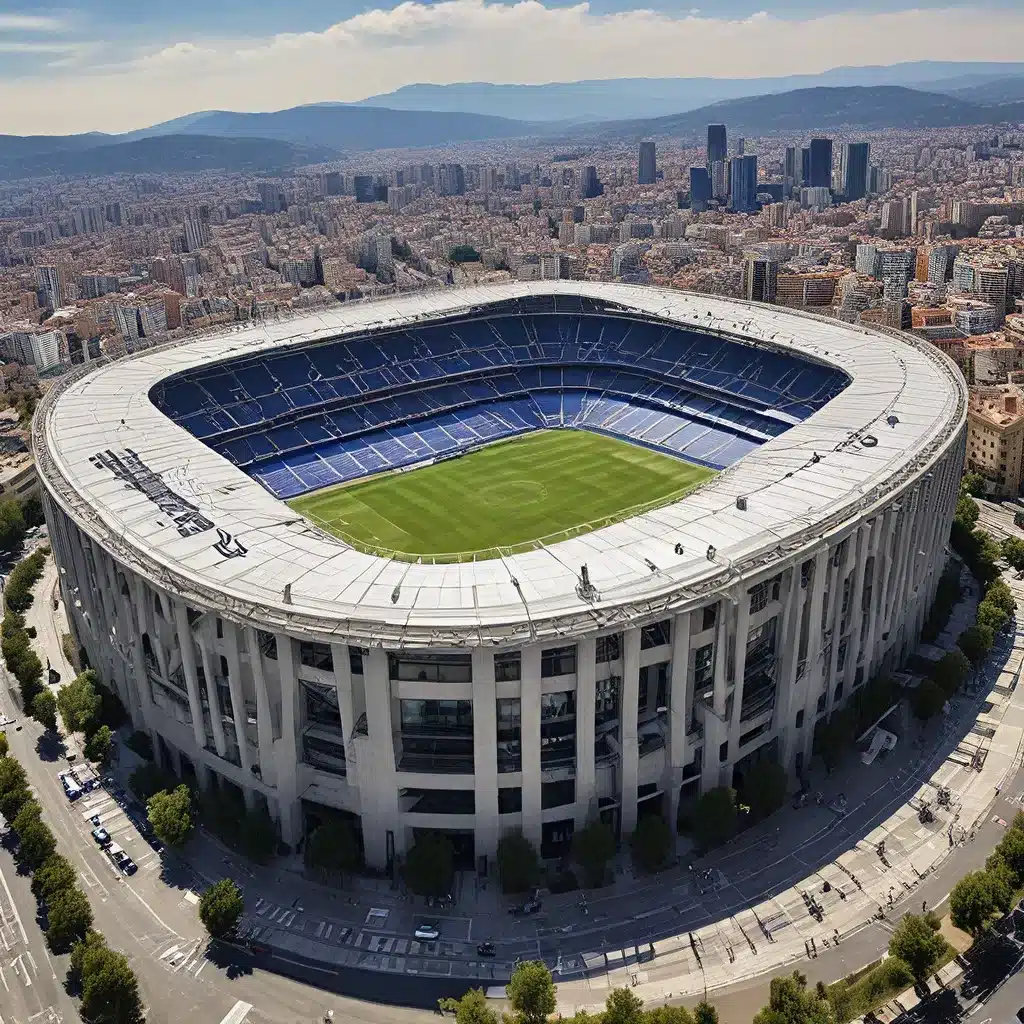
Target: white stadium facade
column 649, row 660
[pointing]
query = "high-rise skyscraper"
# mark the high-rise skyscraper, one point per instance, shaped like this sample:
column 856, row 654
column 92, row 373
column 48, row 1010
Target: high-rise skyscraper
column 853, row 166
column 647, row 168
column 760, row 276
column 790, row 168
column 700, row 189
column 743, row 183
column 805, row 165
column 716, row 144
column 363, row 186
column 51, row 284
column 821, row 163
column 590, row 185
column 738, row 145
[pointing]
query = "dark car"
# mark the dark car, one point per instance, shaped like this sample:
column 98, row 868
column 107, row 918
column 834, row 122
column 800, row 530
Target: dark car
column 485, row 949
column 101, row 835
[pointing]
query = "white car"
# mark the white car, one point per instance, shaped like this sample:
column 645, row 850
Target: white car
column 427, row 931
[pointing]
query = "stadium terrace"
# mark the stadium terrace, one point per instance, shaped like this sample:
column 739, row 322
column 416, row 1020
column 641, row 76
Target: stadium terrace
column 769, row 505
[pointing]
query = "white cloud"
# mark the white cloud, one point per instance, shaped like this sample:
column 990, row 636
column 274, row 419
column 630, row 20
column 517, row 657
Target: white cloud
column 474, row 40
column 29, row 23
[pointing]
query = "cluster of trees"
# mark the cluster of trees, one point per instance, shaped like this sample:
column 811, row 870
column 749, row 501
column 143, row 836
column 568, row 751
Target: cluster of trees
column 947, row 593
column 80, row 704
column 108, row 987
column 531, row 993
column 973, row 545
column 994, row 612
column 951, row 671
column 981, row 897
column 16, row 640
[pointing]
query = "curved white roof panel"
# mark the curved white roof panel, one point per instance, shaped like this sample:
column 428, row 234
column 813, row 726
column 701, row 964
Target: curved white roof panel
column 201, row 527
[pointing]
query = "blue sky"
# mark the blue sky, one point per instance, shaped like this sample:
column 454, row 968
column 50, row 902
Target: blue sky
column 113, row 65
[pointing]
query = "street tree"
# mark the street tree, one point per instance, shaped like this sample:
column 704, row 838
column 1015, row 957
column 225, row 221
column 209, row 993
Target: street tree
column 518, row 863
column 623, row 1006
column 429, row 865
column 999, row 593
column 715, row 817
column 967, row 512
column 473, row 1008
column 705, row 1013
column 917, row 945
column 972, row 902
column 69, row 917
column 12, row 799
column 927, row 700
column 532, row 992
column 976, row 641
column 97, row 746
column 81, row 953
column 333, row 848
column 220, row 907
column 12, row 525
column 592, row 847
column 29, row 812
column 951, row 671
column 4, row 746
column 54, row 874
column 668, row 1015
column 170, row 814
column 110, row 990
column 79, row 703
column 791, row 1002
column 991, row 615
column 44, row 709
column 973, row 484
column 651, row 842
column 1013, row 552
column 764, row 789
column 1018, row 520
column 35, row 844
column 833, row 738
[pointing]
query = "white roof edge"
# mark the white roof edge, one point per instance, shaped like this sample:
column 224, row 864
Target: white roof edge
column 337, row 590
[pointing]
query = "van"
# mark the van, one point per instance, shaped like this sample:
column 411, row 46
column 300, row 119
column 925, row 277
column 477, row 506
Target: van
column 71, row 788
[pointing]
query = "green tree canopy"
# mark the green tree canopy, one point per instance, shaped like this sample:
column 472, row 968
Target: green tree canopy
column 715, row 817
column 69, row 917
column 928, row 699
column 12, row 525
column 29, row 812
column 651, row 842
column 976, row 641
column 79, row 703
column 951, row 671
column 1000, row 594
column 791, row 1002
column 991, row 615
column 1013, row 552
column 4, row 746
column 110, row 990
column 705, row 1013
column 532, row 992
column 967, row 512
column 44, row 709
column 764, row 788
column 170, row 815
column 220, row 907
column 97, row 746
column 973, row 484
column 429, row 865
column 669, row 1015
column 917, row 945
column 35, row 844
column 54, row 874
column 518, row 863
column 972, row 902
column 473, row 1008
column 592, row 847
column 333, row 847
column 623, row 1006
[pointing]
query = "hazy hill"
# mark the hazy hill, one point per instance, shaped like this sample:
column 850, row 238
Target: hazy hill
column 606, row 99
column 342, row 126
column 163, row 154
column 821, row 109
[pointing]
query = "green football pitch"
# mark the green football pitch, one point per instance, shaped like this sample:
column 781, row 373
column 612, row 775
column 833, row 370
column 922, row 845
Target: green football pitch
column 543, row 486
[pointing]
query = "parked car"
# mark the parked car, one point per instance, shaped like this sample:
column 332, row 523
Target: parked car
column 485, row 949
column 427, row 931
column 529, row 907
column 121, row 860
column 101, row 835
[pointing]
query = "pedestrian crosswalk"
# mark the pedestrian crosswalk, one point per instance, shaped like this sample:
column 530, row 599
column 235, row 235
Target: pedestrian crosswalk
column 183, row 956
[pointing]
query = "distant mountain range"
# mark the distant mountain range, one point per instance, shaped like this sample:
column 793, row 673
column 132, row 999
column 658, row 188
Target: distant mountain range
column 820, row 109
column 103, row 154
column 276, row 141
column 621, row 98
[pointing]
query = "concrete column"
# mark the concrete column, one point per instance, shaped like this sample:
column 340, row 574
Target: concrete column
column 188, row 664
column 212, row 697
column 716, row 730
column 630, row 713
column 287, row 750
column 232, row 639
column 586, row 686
column 136, row 617
column 874, row 609
column 530, row 722
column 264, row 725
column 378, row 784
column 740, row 659
column 680, row 701
column 485, row 754
column 343, row 686
column 813, row 674
column 789, row 697
column 857, row 601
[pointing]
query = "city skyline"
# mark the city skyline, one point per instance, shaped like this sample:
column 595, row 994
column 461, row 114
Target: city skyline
column 96, row 69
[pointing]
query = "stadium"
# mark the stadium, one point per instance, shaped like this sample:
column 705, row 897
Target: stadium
column 508, row 557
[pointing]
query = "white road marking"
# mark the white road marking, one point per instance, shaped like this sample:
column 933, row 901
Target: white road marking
column 237, row 1013
column 169, row 952
column 3, row 978
column 14, row 909
column 201, row 966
